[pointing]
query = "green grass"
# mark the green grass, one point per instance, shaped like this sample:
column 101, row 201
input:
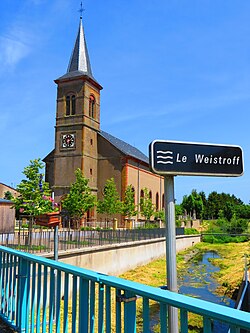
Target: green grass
column 229, row 277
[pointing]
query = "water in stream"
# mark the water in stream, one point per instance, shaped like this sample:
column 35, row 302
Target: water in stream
column 198, row 282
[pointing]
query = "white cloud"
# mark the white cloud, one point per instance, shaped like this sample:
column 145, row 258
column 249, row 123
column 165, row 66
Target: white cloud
column 15, row 44
column 12, row 51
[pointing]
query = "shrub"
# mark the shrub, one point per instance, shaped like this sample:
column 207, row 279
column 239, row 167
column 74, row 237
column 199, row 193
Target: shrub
column 222, row 239
column 178, row 223
column 86, row 228
column 191, row 231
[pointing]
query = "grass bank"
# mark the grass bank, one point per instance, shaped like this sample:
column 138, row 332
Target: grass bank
column 231, row 266
column 229, row 277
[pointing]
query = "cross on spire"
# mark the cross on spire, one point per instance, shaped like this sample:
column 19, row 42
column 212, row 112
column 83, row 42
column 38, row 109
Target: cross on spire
column 81, row 10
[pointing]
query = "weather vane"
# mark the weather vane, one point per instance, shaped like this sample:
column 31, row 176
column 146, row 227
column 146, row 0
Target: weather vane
column 81, row 10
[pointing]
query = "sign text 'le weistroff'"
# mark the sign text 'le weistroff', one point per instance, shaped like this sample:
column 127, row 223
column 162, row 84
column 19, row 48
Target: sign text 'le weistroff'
column 200, row 159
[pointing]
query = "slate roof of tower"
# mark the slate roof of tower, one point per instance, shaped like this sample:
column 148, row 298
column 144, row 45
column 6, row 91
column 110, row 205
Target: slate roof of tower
column 79, row 63
column 124, row 147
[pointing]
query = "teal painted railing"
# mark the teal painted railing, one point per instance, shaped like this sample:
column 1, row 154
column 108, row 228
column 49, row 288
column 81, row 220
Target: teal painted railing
column 41, row 295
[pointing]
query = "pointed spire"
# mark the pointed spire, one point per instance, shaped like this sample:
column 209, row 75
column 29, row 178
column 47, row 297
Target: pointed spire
column 79, row 64
column 79, row 60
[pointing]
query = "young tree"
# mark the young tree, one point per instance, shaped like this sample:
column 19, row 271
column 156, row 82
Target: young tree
column 236, row 225
column 128, row 205
column 159, row 215
column 79, row 199
column 147, row 208
column 111, row 203
column 35, row 195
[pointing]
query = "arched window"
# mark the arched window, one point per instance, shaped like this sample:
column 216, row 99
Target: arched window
column 67, row 105
column 157, row 201
column 142, row 194
column 73, row 105
column 150, row 195
column 163, row 201
column 70, row 105
column 92, row 106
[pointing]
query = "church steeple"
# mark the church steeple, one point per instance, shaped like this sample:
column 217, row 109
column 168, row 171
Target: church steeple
column 79, row 60
column 79, row 64
column 77, row 121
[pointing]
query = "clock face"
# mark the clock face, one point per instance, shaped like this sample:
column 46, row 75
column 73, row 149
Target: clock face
column 68, row 140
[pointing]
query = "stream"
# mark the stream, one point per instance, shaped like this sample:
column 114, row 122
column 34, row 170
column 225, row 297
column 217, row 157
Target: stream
column 198, row 282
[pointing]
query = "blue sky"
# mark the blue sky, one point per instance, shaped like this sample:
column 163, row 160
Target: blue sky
column 171, row 70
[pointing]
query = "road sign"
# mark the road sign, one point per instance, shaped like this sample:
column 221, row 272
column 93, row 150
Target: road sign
column 195, row 159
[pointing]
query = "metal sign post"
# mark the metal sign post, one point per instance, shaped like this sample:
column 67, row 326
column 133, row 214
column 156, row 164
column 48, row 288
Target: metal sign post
column 172, row 158
column 171, row 249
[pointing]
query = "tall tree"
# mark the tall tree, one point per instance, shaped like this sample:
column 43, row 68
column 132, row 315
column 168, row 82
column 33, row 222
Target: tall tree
column 198, row 204
column 193, row 203
column 229, row 204
column 128, row 205
column 79, row 199
column 213, row 205
column 243, row 211
column 147, row 208
column 188, row 204
column 204, row 202
column 111, row 203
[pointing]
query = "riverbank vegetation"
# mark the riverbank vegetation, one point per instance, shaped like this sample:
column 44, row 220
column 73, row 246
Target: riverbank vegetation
column 229, row 277
column 231, row 266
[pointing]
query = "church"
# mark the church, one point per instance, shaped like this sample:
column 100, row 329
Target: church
column 80, row 142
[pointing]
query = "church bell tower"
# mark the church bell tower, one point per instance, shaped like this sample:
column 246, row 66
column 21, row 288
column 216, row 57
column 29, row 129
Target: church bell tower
column 77, row 121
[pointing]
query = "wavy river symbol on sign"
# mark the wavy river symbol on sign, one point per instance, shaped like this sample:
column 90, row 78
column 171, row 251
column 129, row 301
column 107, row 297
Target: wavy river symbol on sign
column 164, row 157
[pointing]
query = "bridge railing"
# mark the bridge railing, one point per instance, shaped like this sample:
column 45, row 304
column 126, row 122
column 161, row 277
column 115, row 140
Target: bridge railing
column 42, row 295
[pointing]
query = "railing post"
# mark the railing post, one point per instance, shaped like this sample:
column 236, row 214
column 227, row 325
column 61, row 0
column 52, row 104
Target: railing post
column 56, row 243
column 129, row 312
column 22, row 277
